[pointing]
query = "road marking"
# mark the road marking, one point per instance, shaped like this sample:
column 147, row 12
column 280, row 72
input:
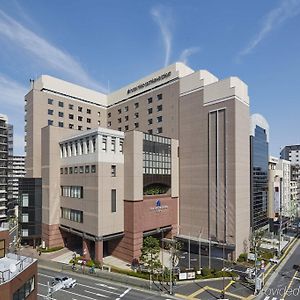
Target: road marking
column 229, row 284
column 107, row 286
column 289, row 285
column 98, row 289
column 45, row 297
column 96, row 294
column 121, row 296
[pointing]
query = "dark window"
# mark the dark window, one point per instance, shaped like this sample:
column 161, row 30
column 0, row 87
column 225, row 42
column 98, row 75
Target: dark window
column 60, row 104
column 136, row 125
column 159, row 119
column 79, row 127
column 136, row 115
column 61, row 124
column 50, row 101
column 119, row 111
column 159, row 130
column 109, row 115
column 70, row 170
column 159, row 108
column 61, row 171
column 71, row 106
column 126, row 108
column 88, row 128
column 79, row 118
column 66, row 170
column 50, row 122
column 81, row 169
column 71, row 126
column 93, row 168
column 71, row 116
column 50, row 112
column 108, row 123
column 150, row 100
column 150, row 131
column 126, row 127
column 120, row 128
column 60, row 114
column 136, row 105
column 149, row 121
column 113, row 200
column 119, row 120
column 88, row 111
column 150, row 110
column 88, row 120
column 113, row 170
column 159, row 97
column 87, row 169
column 126, row 118
column 79, row 108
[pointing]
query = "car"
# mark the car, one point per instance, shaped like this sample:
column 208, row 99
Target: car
column 65, row 281
column 274, row 261
column 296, row 267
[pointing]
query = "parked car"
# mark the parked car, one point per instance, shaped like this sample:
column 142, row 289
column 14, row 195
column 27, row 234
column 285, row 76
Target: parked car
column 66, row 282
column 274, row 261
column 296, row 267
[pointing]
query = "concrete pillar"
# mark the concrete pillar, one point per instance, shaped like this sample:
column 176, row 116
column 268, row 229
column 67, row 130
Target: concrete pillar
column 74, row 149
column 86, row 248
column 99, row 251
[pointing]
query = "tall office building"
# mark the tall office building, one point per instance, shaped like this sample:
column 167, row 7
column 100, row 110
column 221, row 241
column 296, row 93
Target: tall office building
column 3, row 166
column 207, row 117
column 259, row 159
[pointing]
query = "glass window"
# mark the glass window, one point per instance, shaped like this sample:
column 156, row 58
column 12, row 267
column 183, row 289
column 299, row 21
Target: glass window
column 121, row 146
column 79, row 127
column 71, row 106
column 25, row 198
column 79, row 108
column 25, row 218
column 150, row 131
column 50, row 122
column 24, row 232
column 113, row 170
column 113, row 200
column 119, row 120
column 50, row 101
column 75, row 170
column 71, row 116
column 150, row 121
column 60, row 104
column 136, row 125
column 113, row 144
column 79, row 118
column 87, row 169
column 60, row 124
column 99, row 123
column 80, row 169
column 88, row 111
column 159, row 108
column 70, row 170
column 66, row 170
column 126, row 127
column 108, row 123
column 104, row 143
column 120, row 128
column 150, row 111
column 136, row 115
column 119, row 111
column 136, row 105
column 88, row 120
column 159, row 119
column 60, row 114
column 150, row 100
column 93, row 168
column 159, row 97
column 109, row 115
column 126, row 108
column 61, row 171
column 126, row 118
column 71, row 126
column 50, row 112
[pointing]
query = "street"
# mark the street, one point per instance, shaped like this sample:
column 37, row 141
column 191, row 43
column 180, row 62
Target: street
column 88, row 288
column 286, row 284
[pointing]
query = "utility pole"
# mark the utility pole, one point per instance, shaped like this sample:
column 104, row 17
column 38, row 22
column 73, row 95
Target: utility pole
column 171, row 268
column 189, row 250
column 280, row 219
column 199, row 252
column 209, row 253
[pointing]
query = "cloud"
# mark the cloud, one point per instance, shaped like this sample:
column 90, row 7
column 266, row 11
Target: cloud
column 186, row 53
column 163, row 19
column 48, row 54
column 286, row 10
column 11, row 92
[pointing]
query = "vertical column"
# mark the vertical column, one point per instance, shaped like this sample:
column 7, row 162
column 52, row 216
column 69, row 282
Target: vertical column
column 64, row 150
column 99, row 251
column 91, row 145
column 74, row 149
column 84, row 147
column 86, row 248
column 69, row 149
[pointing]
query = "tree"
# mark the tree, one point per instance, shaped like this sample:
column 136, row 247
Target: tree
column 150, row 253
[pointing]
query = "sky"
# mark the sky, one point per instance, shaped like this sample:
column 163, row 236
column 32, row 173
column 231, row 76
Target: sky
column 105, row 45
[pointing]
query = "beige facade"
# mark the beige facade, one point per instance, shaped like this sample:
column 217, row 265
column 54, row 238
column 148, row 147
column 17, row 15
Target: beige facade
column 210, row 171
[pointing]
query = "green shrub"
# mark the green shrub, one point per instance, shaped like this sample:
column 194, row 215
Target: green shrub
column 206, row 272
column 243, row 257
column 53, row 249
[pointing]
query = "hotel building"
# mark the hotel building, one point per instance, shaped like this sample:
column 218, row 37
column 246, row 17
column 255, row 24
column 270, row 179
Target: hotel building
column 183, row 170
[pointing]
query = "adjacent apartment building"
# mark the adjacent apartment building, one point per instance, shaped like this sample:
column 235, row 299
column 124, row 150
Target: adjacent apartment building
column 183, row 170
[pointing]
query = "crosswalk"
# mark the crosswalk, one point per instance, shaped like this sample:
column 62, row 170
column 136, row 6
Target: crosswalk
column 272, row 298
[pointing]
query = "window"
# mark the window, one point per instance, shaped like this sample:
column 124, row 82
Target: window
column 71, row 126
column 25, row 200
column 126, row 108
column 61, row 171
column 119, row 120
column 71, row 116
column 70, row 170
column 120, row 128
column 99, row 114
column 126, row 127
column 87, row 169
column 159, row 108
column 150, row 131
column 113, row 200
column 50, row 112
column 159, row 119
column 104, row 143
column 159, row 130
column 159, row 97
column 71, row 106
column 79, row 118
column 99, row 123
column 136, row 125
column 80, row 108
column 88, row 128
column 24, row 232
column 75, row 170
column 50, row 122
column 88, row 120
column 79, row 127
column 119, row 111
column 72, row 191
column 60, row 104
column 50, row 101
column 126, row 118
column 2, row 248
column 93, row 169
column 149, row 121
column 81, row 169
column 113, row 170
column 109, row 115
column 60, row 114
column 121, row 146
column 66, row 170
column 25, row 218
column 136, row 105
column 72, row 214
column 27, row 288
column 60, row 124
column 136, row 115
column 108, row 123
column 113, row 144
column 150, row 111
column 88, row 111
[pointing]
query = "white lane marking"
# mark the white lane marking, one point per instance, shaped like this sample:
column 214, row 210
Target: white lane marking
column 121, row 296
column 107, row 286
column 73, row 293
column 267, row 298
column 45, row 296
column 96, row 294
column 98, row 289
